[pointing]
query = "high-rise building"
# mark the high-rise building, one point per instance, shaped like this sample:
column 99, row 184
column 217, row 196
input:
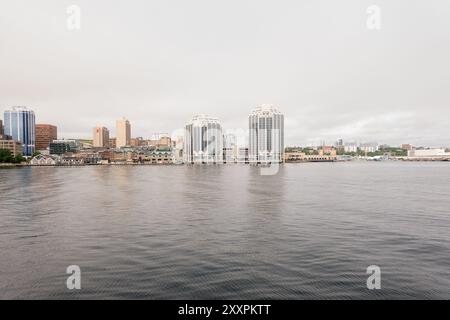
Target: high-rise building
column 45, row 134
column 266, row 135
column 203, row 140
column 1, row 129
column 123, row 137
column 100, row 137
column 20, row 124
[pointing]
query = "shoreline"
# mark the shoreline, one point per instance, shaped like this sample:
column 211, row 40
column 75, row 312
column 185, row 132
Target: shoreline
column 25, row 165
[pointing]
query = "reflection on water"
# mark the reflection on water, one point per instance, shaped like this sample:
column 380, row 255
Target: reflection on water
column 191, row 232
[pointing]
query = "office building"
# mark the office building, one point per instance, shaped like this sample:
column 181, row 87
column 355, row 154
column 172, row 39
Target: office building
column 20, row 124
column 203, row 140
column 45, row 134
column 266, row 135
column 13, row 146
column 60, row 147
column 123, row 138
column 100, row 137
column 1, row 129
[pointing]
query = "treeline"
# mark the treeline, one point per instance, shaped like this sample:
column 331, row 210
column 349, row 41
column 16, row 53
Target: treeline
column 7, row 157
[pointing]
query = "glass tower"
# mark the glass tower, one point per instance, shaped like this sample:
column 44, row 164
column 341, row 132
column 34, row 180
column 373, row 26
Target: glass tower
column 20, row 124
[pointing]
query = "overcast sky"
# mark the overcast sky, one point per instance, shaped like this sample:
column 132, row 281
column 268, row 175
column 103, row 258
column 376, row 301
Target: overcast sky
column 159, row 62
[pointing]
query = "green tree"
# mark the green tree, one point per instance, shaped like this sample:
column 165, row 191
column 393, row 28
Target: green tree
column 6, row 156
column 35, row 154
column 19, row 159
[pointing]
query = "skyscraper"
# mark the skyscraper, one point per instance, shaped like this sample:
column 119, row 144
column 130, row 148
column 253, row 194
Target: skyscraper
column 123, row 133
column 100, row 137
column 21, row 126
column 1, row 129
column 45, row 134
column 203, row 140
column 266, row 135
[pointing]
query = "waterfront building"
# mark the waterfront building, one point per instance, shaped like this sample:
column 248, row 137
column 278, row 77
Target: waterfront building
column 20, row 124
column 45, row 134
column 161, row 155
column 242, row 155
column 369, row 147
column 14, row 147
column 100, row 137
column 351, row 147
column 266, row 135
column 60, row 147
column 439, row 152
column 44, row 160
column 203, row 140
column 123, row 137
column 112, row 143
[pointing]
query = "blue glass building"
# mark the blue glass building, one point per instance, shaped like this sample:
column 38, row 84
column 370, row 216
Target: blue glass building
column 20, row 124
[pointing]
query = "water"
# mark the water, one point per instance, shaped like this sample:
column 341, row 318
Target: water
column 182, row 232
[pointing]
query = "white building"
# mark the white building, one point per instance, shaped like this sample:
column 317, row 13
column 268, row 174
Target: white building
column 266, row 135
column 123, row 134
column 203, row 140
column 428, row 153
column 44, row 160
column 351, row 147
column 369, row 147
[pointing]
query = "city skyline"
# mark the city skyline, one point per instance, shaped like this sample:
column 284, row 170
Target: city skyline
column 241, row 134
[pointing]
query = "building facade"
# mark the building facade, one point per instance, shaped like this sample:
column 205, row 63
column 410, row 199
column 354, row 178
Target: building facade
column 13, row 146
column 1, row 129
column 100, row 137
column 203, row 140
column 60, row 147
column 440, row 152
column 112, row 143
column 20, row 124
column 266, row 135
column 45, row 134
column 123, row 137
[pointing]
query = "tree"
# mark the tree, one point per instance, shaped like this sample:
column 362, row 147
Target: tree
column 5, row 156
column 35, row 154
column 19, row 158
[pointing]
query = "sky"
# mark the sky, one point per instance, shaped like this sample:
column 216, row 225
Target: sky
column 159, row 62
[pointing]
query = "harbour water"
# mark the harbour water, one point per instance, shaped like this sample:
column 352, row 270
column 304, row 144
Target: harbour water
column 226, row 232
